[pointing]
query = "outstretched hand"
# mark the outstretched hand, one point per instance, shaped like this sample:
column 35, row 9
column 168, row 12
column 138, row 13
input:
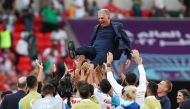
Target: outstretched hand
column 39, row 65
column 127, row 63
column 84, row 71
column 40, row 76
column 135, row 54
column 54, row 69
column 109, row 57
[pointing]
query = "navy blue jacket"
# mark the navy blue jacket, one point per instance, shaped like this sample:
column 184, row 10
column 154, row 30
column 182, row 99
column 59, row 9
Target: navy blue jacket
column 11, row 101
column 185, row 104
column 165, row 102
column 122, row 42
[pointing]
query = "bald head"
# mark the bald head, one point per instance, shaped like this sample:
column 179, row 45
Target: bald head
column 22, row 82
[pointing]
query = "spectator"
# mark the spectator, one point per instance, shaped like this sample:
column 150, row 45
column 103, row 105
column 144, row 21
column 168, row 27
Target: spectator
column 10, row 20
column 32, row 96
column 141, row 89
column 12, row 78
column 59, row 5
column 27, row 13
column 5, row 36
column 32, row 45
column 151, row 101
column 86, row 7
column 186, row 3
column 12, row 100
column 159, row 8
column 94, row 9
column 50, row 18
column 3, row 86
column 79, row 8
column 60, row 35
column 71, row 11
column 5, row 64
column 110, row 5
column 137, row 4
column 49, row 101
column 182, row 95
column 8, row 4
column 22, row 46
column 84, row 92
column 128, row 98
column 51, row 57
column 164, row 87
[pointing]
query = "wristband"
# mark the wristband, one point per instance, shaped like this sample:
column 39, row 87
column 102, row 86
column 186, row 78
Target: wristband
column 108, row 65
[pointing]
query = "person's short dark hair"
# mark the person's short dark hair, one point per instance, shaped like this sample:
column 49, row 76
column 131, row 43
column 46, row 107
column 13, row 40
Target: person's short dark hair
column 84, row 91
column 48, row 89
column 119, row 81
column 153, row 87
column 80, row 83
column 105, row 86
column 31, row 81
column 65, row 87
column 131, row 78
column 91, row 89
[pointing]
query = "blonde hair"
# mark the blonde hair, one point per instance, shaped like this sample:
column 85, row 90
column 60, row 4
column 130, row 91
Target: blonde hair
column 129, row 93
column 169, row 85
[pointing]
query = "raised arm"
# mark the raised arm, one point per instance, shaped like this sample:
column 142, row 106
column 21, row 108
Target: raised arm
column 141, row 89
column 117, row 87
column 40, row 76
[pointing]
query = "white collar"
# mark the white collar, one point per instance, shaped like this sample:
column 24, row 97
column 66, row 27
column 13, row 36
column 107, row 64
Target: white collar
column 150, row 97
column 85, row 100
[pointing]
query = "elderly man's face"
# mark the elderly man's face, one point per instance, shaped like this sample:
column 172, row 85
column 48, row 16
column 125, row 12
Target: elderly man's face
column 103, row 19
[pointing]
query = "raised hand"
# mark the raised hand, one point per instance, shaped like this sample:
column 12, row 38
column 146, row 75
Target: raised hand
column 135, row 54
column 39, row 65
column 40, row 76
column 109, row 57
column 54, row 69
column 127, row 63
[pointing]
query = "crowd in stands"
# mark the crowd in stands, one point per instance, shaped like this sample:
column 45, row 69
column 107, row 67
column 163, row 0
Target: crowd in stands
column 84, row 8
column 27, row 35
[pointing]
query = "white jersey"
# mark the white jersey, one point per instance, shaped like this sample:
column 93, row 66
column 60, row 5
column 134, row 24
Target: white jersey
column 104, row 99
column 48, row 103
column 74, row 100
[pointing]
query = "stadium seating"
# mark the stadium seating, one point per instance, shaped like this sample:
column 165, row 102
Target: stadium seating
column 24, row 64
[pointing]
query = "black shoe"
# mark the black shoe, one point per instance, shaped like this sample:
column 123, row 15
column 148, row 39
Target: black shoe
column 71, row 50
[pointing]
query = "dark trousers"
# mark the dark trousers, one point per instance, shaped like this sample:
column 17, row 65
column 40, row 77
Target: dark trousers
column 97, row 56
column 49, row 27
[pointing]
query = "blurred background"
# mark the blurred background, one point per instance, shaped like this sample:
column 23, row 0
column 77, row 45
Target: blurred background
column 31, row 29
